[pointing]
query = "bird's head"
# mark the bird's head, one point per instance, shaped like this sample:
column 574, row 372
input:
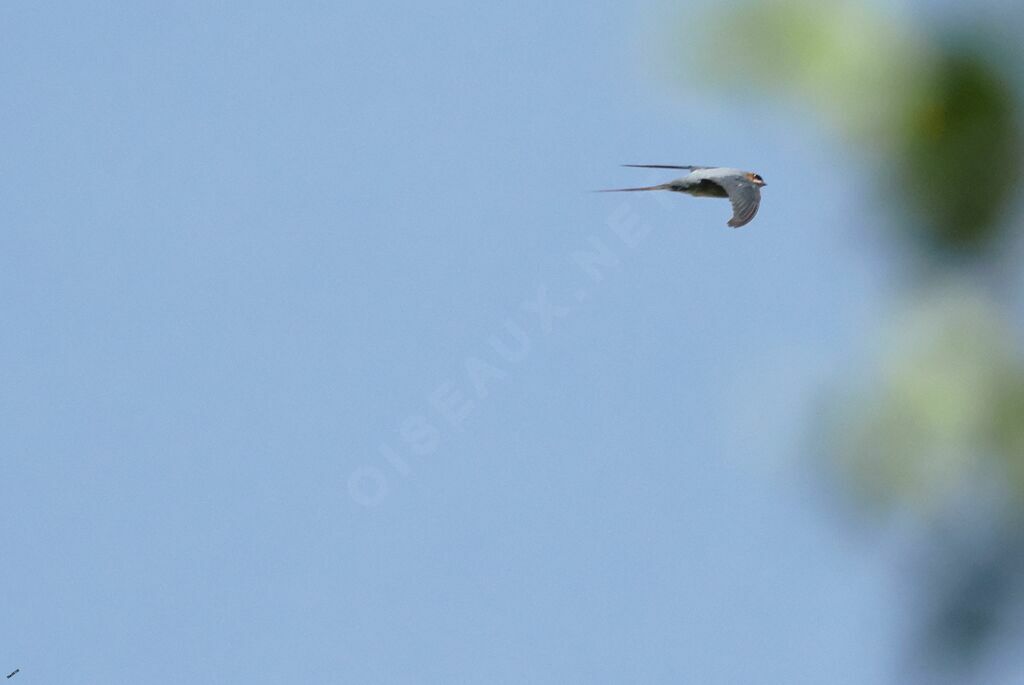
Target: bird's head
column 756, row 179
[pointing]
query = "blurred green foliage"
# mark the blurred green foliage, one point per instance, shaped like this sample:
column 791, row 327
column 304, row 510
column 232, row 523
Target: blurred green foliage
column 959, row 153
column 839, row 59
column 934, row 422
column 934, row 113
column 912, row 428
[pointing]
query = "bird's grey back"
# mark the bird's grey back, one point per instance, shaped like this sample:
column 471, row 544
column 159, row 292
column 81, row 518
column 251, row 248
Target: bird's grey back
column 716, row 172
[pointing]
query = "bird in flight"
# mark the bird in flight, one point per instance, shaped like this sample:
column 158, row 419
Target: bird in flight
column 743, row 188
column 12, row 673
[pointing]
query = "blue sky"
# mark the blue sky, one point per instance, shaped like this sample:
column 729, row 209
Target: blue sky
column 246, row 244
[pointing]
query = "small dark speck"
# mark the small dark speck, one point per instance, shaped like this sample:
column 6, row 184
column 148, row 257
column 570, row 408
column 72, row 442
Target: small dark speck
column 12, row 673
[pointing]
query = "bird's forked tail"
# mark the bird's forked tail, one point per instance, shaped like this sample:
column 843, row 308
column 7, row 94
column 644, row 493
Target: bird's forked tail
column 663, row 186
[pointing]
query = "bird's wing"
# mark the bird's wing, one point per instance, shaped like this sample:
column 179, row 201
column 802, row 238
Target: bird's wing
column 665, row 166
column 745, row 198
